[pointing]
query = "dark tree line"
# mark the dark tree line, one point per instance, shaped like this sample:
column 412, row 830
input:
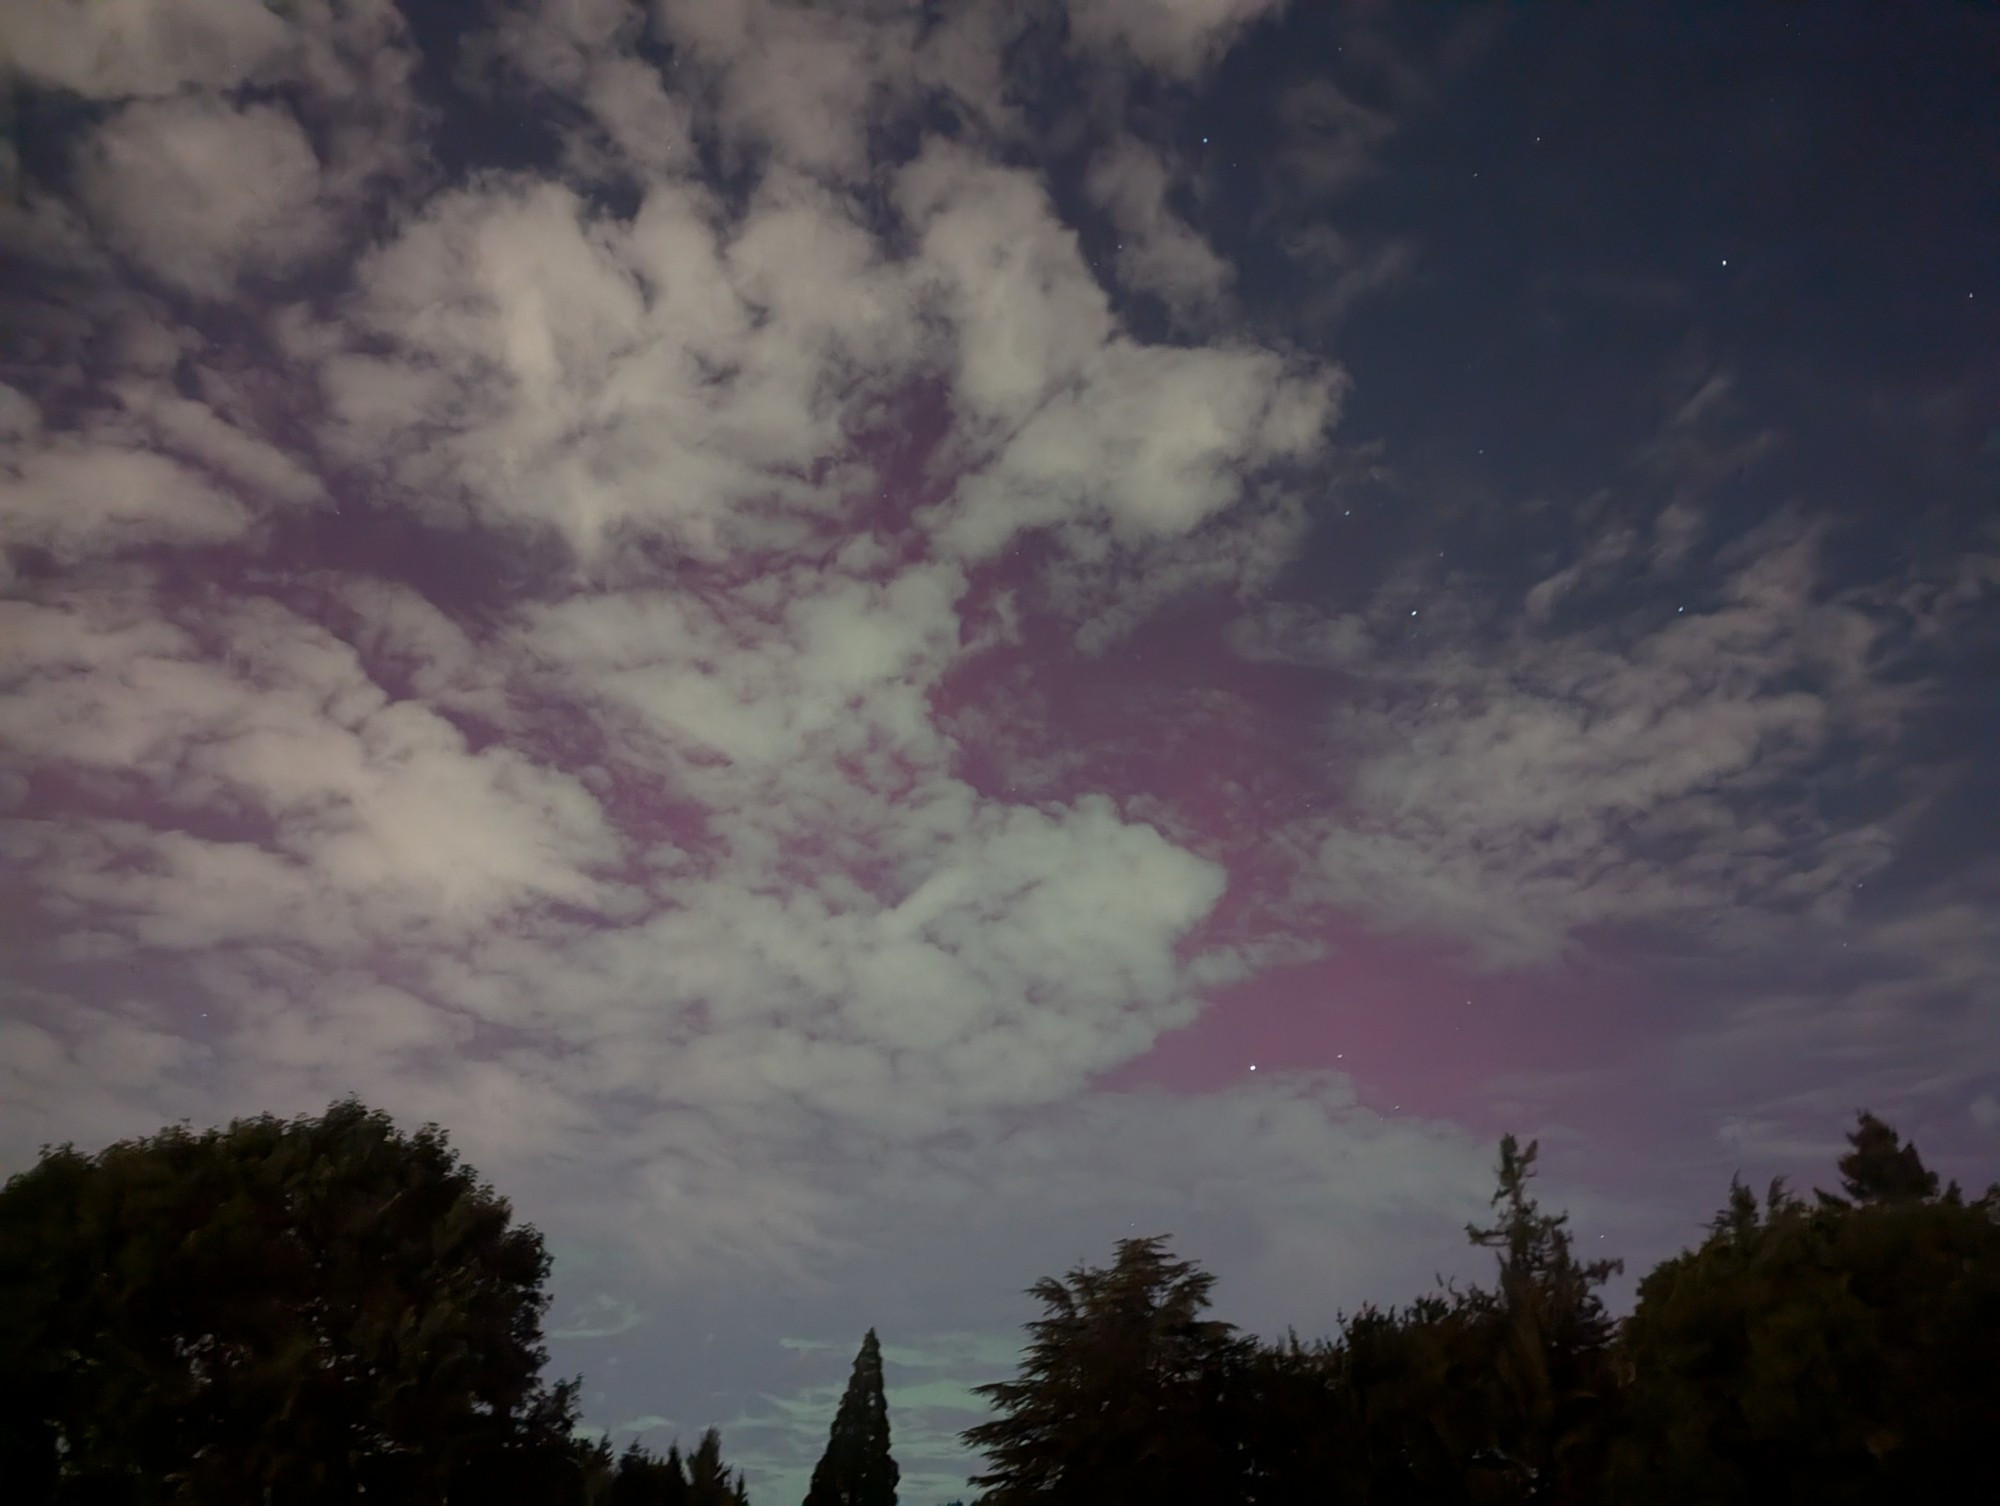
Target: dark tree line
column 326, row 1309
column 1845, row 1349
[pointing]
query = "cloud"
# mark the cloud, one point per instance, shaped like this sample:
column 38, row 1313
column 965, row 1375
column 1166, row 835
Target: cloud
column 1515, row 792
column 1086, row 424
column 1332, row 141
column 603, row 1317
column 1344, row 269
column 360, row 816
column 548, row 368
column 124, row 48
column 584, row 53
column 1179, row 38
column 193, row 181
column 199, row 192
column 75, row 499
column 797, row 81
column 674, row 838
column 1159, row 253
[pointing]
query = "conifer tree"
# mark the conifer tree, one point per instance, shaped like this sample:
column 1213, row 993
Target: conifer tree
column 1126, row 1393
column 1543, row 1351
column 643, row 1478
column 709, row 1482
column 856, row 1469
column 1880, row 1168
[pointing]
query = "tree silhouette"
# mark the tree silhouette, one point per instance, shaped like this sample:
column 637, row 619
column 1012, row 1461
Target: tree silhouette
column 1880, row 1168
column 709, row 1482
column 1846, row 1351
column 856, row 1469
column 1125, row 1393
column 300, row 1311
column 1547, row 1370
column 323, row 1309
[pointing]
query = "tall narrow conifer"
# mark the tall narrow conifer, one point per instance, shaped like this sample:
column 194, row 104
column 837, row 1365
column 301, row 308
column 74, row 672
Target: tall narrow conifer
column 856, row 1469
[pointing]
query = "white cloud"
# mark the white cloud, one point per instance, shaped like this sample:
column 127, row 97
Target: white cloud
column 108, row 49
column 585, row 51
column 76, row 499
column 613, row 381
column 365, row 815
column 1180, row 38
column 189, row 179
column 157, row 469
column 196, row 431
column 1512, row 795
column 799, row 81
column 200, row 192
column 1085, row 424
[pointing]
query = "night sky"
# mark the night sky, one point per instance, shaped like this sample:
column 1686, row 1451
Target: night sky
column 872, row 645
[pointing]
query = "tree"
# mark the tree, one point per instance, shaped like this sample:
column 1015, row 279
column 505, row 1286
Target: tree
column 1880, row 1168
column 709, row 1482
column 856, row 1469
column 277, row 1311
column 640, row 1477
column 1843, row 1351
column 1125, row 1394
column 1388, row 1413
column 1547, row 1371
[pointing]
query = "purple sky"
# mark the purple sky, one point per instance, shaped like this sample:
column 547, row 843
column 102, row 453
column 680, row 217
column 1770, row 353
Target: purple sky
column 817, row 626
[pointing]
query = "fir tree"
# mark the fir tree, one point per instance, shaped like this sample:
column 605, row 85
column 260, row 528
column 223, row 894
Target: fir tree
column 856, row 1469
column 1880, row 1168
column 1543, row 1349
column 643, row 1478
column 709, row 1482
column 1126, row 1393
